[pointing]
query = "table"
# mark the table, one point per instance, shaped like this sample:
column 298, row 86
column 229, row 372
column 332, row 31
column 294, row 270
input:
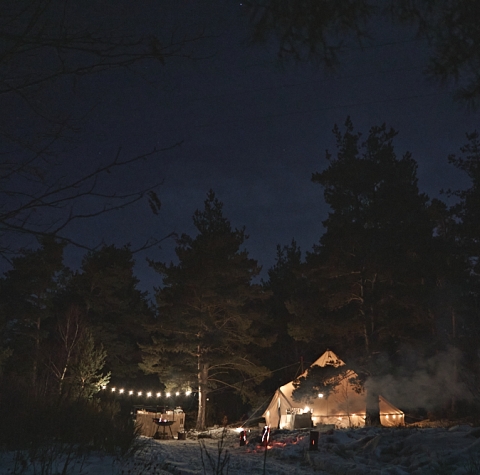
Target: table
column 164, row 424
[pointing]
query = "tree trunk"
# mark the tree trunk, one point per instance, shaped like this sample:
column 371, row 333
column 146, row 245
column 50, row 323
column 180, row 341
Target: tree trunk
column 202, row 395
column 69, row 339
column 453, row 406
column 373, row 408
column 36, row 356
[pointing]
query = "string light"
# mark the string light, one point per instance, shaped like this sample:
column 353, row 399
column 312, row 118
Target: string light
column 188, row 392
column 147, row 394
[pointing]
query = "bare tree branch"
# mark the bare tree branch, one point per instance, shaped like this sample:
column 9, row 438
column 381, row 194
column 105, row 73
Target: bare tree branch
column 47, row 46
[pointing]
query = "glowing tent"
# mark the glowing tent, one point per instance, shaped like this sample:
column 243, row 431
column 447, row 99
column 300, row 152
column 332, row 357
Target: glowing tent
column 343, row 407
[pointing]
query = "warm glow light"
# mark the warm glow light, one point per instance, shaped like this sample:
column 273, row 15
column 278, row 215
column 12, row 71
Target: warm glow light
column 306, row 409
column 320, row 395
column 138, row 392
column 239, row 429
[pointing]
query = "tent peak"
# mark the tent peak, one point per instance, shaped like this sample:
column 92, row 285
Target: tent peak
column 329, row 358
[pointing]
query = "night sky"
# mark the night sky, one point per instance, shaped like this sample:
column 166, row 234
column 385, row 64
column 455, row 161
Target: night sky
column 252, row 129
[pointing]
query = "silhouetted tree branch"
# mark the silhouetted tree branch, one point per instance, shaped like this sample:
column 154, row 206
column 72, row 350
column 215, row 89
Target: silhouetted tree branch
column 35, row 204
column 47, row 47
column 321, row 29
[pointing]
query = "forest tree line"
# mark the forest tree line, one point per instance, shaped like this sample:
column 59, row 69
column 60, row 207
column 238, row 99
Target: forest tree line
column 395, row 274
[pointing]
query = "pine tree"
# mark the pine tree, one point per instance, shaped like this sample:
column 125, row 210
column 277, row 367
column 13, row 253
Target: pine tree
column 285, row 282
column 467, row 209
column 369, row 275
column 462, row 323
column 115, row 310
column 28, row 292
column 208, row 310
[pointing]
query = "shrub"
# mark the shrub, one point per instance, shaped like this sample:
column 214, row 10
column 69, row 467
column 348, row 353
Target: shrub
column 86, row 424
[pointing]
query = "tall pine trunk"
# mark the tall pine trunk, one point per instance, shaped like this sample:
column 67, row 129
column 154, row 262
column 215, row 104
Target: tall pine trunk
column 372, row 397
column 36, row 355
column 373, row 408
column 453, row 406
column 202, row 395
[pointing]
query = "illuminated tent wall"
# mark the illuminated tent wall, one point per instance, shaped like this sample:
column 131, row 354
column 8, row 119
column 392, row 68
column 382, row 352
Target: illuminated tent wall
column 343, row 407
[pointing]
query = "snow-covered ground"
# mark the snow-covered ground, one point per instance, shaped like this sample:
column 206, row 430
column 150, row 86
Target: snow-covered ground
column 395, row 451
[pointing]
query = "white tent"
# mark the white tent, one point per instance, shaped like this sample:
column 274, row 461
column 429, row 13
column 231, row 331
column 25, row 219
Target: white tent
column 343, row 407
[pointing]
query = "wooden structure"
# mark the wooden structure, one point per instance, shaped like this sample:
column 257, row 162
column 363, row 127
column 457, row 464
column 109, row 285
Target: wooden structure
column 166, row 424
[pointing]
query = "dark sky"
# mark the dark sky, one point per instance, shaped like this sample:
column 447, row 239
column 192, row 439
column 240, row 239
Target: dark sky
column 253, row 129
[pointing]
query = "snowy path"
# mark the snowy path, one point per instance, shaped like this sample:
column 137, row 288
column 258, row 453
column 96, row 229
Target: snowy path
column 186, row 456
column 367, row 451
